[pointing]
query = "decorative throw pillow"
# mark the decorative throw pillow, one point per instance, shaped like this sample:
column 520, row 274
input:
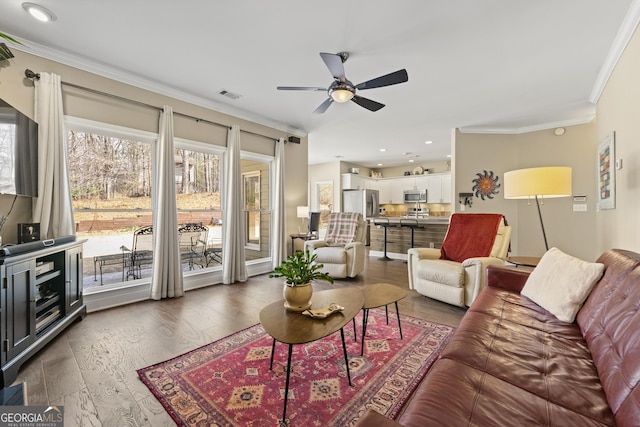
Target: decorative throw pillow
column 561, row 283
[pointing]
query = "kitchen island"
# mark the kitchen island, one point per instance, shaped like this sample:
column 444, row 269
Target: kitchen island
column 428, row 232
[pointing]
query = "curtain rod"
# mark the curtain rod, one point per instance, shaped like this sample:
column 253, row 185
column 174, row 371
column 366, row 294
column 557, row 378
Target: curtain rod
column 36, row 76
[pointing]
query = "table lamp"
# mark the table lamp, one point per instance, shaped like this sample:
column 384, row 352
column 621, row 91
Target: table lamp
column 538, row 183
column 302, row 213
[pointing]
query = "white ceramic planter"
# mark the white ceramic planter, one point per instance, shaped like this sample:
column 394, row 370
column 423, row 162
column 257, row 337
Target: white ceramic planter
column 297, row 298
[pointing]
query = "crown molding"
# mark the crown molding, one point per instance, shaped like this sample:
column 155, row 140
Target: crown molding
column 117, row 74
column 625, row 32
column 526, row 129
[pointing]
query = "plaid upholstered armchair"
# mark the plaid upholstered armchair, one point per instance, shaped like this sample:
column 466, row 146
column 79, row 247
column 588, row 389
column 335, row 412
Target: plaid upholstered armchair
column 342, row 251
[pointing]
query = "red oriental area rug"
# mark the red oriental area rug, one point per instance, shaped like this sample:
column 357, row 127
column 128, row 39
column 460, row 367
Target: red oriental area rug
column 228, row 382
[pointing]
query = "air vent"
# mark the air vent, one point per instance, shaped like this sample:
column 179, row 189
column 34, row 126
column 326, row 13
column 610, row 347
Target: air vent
column 230, row 95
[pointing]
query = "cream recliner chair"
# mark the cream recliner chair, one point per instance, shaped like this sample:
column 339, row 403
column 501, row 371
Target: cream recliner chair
column 342, row 251
column 473, row 244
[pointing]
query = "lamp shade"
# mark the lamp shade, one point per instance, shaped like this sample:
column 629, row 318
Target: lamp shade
column 553, row 181
column 303, row 211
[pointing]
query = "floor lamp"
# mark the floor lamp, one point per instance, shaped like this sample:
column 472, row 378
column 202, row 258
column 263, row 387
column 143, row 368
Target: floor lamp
column 538, row 183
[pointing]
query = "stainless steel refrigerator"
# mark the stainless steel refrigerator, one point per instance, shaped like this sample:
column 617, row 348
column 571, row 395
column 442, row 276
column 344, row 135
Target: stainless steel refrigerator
column 365, row 202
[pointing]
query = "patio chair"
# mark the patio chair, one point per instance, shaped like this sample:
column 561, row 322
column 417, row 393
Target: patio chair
column 140, row 254
column 192, row 239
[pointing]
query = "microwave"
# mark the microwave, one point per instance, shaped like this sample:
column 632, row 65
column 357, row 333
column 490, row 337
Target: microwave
column 415, row 196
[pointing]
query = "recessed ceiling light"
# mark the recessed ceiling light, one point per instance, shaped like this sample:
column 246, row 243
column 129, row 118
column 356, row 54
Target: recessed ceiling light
column 410, row 160
column 39, row 12
column 428, row 142
column 448, row 155
column 379, row 164
column 383, row 149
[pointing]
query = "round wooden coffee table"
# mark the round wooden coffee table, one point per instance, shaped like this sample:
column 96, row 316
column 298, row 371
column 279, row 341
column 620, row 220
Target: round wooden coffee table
column 378, row 295
column 296, row 328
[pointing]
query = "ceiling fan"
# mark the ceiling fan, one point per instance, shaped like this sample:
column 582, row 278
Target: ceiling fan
column 342, row 90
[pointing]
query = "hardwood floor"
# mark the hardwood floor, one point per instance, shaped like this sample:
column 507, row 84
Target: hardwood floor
column 91, row 367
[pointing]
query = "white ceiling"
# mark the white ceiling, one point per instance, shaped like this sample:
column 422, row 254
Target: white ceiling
column 480, row 65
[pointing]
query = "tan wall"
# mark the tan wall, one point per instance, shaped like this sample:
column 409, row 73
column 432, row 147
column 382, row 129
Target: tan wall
column 618, row 110
column 570, row 231
column 19, row 92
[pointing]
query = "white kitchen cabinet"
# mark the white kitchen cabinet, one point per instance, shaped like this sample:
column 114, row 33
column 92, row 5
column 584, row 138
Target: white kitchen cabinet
column 434, row 189
column 438, row 188
column 398, row 186
column 446, row 188
column 422, row 182
column 384, row 190
column 352, row 181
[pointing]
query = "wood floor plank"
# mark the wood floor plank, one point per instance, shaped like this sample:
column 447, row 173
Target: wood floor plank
column 79, row 410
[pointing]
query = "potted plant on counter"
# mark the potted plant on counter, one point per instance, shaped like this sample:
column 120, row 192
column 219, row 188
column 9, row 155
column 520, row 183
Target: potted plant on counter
column 299, row 270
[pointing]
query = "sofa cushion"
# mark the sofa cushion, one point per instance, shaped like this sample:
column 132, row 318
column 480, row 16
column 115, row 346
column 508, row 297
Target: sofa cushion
column 456, row 395
column 561, row 283
column 514, row 340
column 331, row 255
column 610, row 322
column 441, row 271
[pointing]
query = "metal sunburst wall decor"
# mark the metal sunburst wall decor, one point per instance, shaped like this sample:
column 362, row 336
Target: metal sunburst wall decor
column 486, row 185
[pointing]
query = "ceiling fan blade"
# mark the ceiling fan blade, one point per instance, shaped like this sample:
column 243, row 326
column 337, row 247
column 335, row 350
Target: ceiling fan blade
column 399, row 76
column 334, row 64
column 323, row 107
column 323, row 89
column 367, row 103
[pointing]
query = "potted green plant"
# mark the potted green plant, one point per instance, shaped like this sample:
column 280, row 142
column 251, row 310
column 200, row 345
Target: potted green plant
column 299, row 270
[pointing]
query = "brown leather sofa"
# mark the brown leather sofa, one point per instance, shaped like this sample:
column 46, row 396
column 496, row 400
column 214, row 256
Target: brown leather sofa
column 512, row 363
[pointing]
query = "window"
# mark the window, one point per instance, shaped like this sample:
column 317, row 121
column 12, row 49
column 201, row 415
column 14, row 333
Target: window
column 256, row 177
column 198, row 199
column 111, row 180
column 324, row 201
column 251, row 192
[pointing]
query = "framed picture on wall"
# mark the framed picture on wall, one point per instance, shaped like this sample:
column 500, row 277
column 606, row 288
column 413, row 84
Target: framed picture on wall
column 607, row 173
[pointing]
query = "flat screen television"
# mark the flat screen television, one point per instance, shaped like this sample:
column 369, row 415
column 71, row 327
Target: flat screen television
column 18, row 152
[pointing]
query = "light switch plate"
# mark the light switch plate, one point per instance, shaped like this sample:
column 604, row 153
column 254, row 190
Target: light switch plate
column 580, row 207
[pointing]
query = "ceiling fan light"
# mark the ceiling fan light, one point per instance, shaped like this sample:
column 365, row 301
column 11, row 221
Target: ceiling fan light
column 341, row 95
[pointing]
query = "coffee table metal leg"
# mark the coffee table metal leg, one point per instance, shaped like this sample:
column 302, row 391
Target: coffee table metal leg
column 386, row 313
column 365, row 318
column 346, row 357
column 273, row 350
column 355, row 334
column 399, row 325
column 286, row 384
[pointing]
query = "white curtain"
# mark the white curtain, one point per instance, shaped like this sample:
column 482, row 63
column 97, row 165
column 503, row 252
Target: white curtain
column 234, row 267
column 278, row 236
column 52, row 208
column 166, row 281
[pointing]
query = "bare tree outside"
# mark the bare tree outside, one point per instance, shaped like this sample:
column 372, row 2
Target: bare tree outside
column 111, row 188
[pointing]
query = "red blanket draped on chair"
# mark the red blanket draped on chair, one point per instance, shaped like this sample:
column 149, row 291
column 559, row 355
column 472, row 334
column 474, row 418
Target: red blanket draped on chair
column 470, row 236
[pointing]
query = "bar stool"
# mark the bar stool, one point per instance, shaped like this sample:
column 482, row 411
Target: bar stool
column 384, row 222
column 411, row 224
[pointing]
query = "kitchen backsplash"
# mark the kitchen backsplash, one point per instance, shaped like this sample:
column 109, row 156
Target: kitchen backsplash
column 440, row 210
